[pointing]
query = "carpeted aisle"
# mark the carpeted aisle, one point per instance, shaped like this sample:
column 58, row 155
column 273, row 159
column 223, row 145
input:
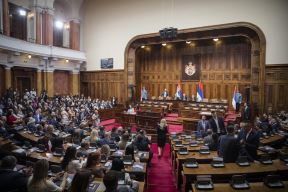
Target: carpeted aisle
column 160, row 177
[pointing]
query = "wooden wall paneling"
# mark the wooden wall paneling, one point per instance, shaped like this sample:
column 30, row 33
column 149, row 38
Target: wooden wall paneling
column 61, row 82
column 2, row 80
column 105, row 84
column 23, row 78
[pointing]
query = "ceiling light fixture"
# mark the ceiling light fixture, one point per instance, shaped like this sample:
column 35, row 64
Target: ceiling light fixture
column 29, row 56
column 142, row 46
column 188, row 42
column 215, row 39
column 22, row 12
column 164, row 44
column 59, row 24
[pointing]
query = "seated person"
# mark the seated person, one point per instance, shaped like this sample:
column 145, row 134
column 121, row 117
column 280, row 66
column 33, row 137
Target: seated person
column 110, row 181
column 105, row 151
column 39, row 180
column 94, row 164
column 124, row 141
column 70, row 163
column 130, row 151
column 165, row 93
column 131, row 110
column 115, row 135
column 106, row 140
column 142, row 145
column 82, row 152
column 11, row 180
column 80, row 181
column 229, row 146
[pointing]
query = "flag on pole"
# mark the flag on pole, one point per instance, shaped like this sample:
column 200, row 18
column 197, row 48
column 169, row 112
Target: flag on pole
column 141, row 92
column 234, row 98
column 200, row 92
column 179, row 93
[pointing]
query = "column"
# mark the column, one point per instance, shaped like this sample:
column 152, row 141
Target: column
column 75, row 34
column 39, row 81
column 49, row 82
column 8, row 76
column 74, row 83
column 38, row 16
column 6, row 19
column 47, row 26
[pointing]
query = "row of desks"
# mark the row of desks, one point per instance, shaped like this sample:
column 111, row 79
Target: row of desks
column 254, row 187
column 186, row 175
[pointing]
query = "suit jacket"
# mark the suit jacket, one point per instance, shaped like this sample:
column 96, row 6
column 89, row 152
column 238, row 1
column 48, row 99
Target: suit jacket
column 251, row 143
column 229, row 148
column 246, row 113
column 12, row 181
column 202, row 126
column 37, row 118
column 213, row 126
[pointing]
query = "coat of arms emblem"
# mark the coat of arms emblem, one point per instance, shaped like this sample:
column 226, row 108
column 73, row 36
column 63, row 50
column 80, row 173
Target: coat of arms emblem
column 190, row 69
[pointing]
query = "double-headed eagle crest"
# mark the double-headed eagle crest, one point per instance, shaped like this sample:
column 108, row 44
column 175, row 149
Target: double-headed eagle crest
column 190, row 68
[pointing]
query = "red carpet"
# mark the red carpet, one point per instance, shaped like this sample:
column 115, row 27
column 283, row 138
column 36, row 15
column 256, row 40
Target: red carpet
column 160, row 177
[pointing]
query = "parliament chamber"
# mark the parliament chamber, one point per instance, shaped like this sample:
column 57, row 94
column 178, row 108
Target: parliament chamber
column 143, row 96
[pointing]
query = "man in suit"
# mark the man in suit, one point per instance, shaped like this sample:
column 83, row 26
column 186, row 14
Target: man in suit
column 238, row 100
column 249, row 140
column 11, row 180
column 144, row 94
column 165, row 93
column 38, row 116
column 246, row 112
column 229, row 146
column 203, row 126
column 217, row 124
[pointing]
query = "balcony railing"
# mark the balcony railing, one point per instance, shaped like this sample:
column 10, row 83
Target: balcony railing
column 18, row 45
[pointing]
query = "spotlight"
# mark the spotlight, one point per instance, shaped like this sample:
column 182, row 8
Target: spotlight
column 59, row 24
column 215, row 39
column 22, row 12
column 142, row 46
column 164, row 44
column 67, row 61
column 29, row 56
column 188, row 42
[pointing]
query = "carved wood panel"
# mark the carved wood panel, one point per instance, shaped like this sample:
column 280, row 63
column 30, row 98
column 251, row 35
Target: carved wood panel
column 103, row 84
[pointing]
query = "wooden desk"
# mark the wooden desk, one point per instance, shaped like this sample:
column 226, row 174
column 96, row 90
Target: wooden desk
column 137, row 155
column 29, row 136
column 254, row 187
column 224, row 174
column 34, row 156
column 4, row 142
column 102, row 188
column 272, row 139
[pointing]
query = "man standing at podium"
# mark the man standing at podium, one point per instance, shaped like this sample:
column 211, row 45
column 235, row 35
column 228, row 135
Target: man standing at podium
column 144, row 94
column 165, row 93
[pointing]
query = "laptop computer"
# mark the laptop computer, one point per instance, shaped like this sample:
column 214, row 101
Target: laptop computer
column 242, row 161
column 183, row 151
column 273, row 181
column 178, row 143
column 204, row 150
column 204, row 182
column 127, row 160
column 191, row 163
column 217, row 162
column 239, row 182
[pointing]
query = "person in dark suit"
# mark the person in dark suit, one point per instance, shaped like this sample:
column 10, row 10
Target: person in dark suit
column 246, row 112
column 11, row 180
column 249, row 140
column 217, row 124
column 165, row 93
column 38, row 116
column 229, row 146
column 203, row 126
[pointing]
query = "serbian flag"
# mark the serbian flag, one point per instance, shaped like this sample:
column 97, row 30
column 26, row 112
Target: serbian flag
column 200, row 92
column 234, row 98
column 179, row 93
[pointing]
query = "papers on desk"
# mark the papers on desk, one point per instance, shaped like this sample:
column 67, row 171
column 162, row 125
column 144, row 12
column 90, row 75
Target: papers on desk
column 108, row 164
column 118, row 153
column 138, row 167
